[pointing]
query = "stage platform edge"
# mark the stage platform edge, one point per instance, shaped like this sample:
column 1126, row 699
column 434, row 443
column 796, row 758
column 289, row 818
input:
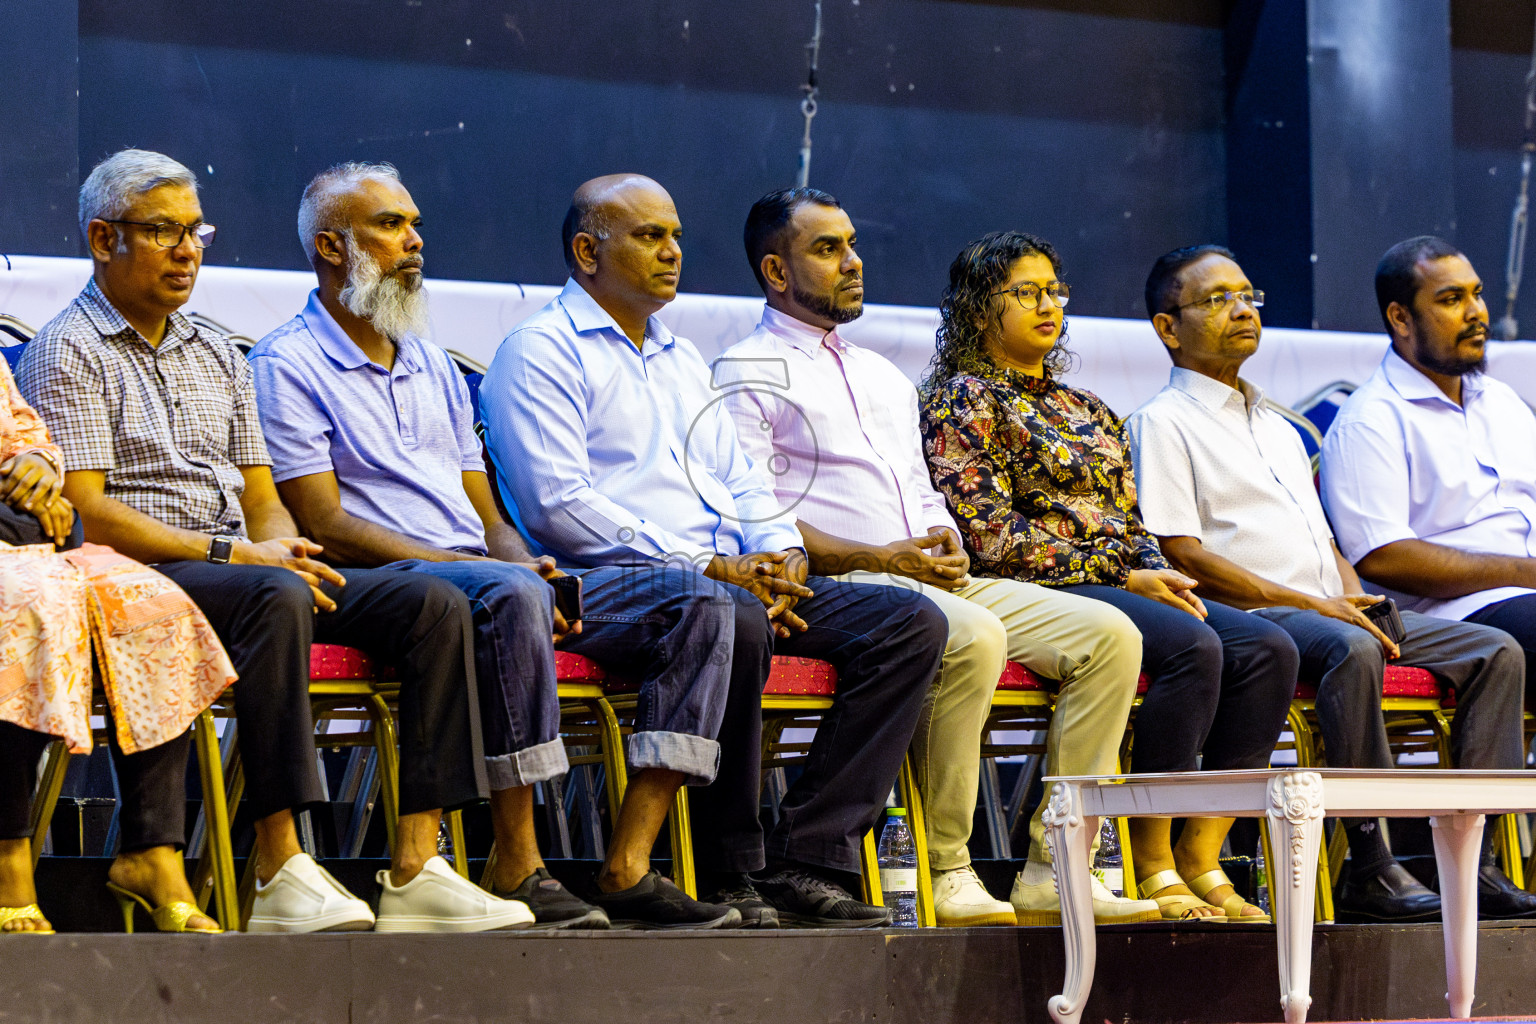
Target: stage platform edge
column 1147, row 975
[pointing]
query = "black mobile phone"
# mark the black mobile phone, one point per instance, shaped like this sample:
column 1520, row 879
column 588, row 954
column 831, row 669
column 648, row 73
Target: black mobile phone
column 1383, row 614
column 568, row 597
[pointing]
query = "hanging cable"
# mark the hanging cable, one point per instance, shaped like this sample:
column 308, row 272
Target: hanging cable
column 808, row 102
column 1519, row 221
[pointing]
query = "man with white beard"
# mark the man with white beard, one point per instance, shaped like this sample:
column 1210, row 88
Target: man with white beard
column 372, row 437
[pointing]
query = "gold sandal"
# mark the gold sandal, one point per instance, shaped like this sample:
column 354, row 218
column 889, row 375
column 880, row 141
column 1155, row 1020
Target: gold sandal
column 30, row 912
column 1233, row 905
column 172, row 917
column 1174, row 906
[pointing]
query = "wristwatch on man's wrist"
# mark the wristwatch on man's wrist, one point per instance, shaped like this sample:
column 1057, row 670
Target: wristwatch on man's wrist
column 220, row 548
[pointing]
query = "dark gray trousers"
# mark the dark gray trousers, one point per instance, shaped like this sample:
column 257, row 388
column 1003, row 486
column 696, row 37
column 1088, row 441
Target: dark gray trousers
column 1484, row 666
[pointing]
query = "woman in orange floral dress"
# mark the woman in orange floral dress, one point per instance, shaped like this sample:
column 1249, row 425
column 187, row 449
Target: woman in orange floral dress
column 68, row 613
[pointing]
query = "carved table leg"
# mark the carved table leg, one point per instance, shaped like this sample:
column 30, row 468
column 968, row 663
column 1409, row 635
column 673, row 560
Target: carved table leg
column 1069, row 839
column 1296, row 828
column 1458, row 843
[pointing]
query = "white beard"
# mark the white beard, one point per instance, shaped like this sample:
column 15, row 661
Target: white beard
column 395, row 305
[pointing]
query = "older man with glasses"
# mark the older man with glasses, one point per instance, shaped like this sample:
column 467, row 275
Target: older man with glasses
column 156, row 421
column 1227, row 488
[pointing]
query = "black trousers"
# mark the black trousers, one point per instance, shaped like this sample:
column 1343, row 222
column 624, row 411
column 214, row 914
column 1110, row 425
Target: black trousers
column 1219, row 687
column 886, row 644
column 152, row 782
column 265, row 617
column 1517, row 617
column 18, row 528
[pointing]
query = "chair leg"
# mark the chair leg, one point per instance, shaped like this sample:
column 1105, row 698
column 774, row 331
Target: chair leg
column 49, row 784
column 1338, row 846
column 613, row 756
column 456, row 839
column 870, row 856
column 906, row 781
column 387, row 744
column 1322, row 909
column 1127, row 865
column 221, row 854
column 1507, row 844
column 682, row 845
column 1301, row 733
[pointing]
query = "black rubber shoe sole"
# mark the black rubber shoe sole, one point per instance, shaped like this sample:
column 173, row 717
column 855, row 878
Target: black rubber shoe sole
column 730, row 919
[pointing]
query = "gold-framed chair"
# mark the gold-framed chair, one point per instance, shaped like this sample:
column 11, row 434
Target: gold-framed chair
column 213, row 881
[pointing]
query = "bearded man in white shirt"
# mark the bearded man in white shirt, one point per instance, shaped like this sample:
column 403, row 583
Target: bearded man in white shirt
column 1226, row 486
column 837, row 426
column 1429, row 470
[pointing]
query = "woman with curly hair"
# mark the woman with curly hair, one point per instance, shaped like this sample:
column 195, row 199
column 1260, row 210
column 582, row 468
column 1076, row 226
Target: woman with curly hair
column 1039, row 477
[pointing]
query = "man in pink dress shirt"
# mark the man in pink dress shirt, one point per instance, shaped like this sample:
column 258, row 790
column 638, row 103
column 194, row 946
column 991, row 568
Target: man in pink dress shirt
column 836, row 426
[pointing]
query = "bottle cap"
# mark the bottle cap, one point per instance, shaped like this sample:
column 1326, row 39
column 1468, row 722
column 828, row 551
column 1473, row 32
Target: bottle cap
column 896, row 812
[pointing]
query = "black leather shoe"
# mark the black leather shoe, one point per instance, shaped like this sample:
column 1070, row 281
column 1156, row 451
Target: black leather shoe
column 1392, row 894
column 739, row 891
column 1497, row 896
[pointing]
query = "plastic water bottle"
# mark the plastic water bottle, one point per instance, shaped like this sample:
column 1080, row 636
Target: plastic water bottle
column 1107, row 863
column 898, row 868
column 1260, row 880
column 444, row 841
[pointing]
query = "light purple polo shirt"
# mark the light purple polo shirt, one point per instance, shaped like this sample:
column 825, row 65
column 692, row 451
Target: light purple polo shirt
column 398, row 440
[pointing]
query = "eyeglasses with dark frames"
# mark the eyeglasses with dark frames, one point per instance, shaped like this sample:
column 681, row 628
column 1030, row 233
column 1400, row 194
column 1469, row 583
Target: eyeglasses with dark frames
column 1218, row 301
column 168, row 234
column 1027, row 295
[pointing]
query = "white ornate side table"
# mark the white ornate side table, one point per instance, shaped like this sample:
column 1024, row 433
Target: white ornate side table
column 1295, row 802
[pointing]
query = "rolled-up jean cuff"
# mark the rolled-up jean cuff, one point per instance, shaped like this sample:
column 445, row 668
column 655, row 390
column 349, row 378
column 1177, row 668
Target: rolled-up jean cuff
column 694, row 756
column 524, row 767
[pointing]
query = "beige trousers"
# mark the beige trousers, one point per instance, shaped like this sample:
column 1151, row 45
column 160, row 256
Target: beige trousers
column 1090, row 648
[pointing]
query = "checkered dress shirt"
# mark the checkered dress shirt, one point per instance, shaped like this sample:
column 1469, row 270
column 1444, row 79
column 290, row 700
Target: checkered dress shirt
column 169, row 425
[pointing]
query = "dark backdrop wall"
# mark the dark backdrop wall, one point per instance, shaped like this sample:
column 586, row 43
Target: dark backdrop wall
column 939, row 121
column 1116, row 128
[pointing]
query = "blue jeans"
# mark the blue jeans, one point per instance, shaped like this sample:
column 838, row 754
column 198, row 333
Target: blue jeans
column 658, row 626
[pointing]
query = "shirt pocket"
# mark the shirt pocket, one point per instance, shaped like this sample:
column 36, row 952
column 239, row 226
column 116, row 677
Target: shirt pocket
column 203, row 414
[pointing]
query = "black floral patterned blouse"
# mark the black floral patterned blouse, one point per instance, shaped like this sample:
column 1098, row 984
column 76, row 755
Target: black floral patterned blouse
column 1038, row 476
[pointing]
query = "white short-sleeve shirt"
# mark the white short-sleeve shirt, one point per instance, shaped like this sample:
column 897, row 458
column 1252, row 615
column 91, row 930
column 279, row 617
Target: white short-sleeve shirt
column 1403, row 461
column 1214, row 463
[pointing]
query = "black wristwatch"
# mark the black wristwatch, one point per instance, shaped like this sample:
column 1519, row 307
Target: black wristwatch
column 220, row 548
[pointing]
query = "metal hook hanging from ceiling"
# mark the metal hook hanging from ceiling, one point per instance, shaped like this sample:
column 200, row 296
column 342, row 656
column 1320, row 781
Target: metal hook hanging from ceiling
column 808, row 102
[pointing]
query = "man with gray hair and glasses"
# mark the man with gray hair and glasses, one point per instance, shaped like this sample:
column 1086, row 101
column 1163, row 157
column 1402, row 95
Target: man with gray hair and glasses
column 371, row 430
column 156, row 420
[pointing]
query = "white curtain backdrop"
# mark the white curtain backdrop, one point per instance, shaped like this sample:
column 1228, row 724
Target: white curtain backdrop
column 1120, row 360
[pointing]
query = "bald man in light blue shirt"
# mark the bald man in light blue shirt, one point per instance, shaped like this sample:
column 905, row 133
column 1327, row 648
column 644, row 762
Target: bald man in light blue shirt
column 613, row 445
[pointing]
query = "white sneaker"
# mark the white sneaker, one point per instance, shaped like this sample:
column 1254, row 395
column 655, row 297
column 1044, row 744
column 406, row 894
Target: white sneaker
column 1037, row 904
column 961, row 901
column 303, row 897
column 440, row 900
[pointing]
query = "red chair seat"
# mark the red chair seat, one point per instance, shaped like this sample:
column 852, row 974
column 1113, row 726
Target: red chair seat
column 801, row 677
column 573, row 668
column 1017, row 677
column 1397, row 681
column 328, row 662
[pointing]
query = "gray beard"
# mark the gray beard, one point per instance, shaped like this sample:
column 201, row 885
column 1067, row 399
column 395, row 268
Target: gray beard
column 394, row 307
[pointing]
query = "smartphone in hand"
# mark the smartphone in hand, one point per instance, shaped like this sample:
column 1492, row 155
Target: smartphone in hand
column 568, row 598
